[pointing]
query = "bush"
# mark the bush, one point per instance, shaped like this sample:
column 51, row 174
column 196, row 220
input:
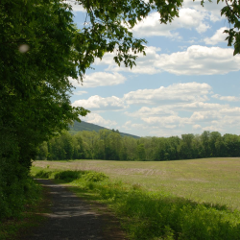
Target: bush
column 95, row 177
column 68, row 176
column 43, row 174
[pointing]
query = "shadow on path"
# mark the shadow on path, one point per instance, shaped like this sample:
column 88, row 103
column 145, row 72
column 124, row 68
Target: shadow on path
column 72, row 219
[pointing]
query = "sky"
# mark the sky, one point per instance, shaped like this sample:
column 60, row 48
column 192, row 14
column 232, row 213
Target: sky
column 187, row 83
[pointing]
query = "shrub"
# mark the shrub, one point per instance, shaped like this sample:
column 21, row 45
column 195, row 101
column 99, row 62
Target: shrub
column 95, row 177
column 43, row 174
column 68, row 176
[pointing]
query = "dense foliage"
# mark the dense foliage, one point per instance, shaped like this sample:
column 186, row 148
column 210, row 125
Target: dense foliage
column 110, row 145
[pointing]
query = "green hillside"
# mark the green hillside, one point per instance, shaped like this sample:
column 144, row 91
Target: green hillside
column 84, row 126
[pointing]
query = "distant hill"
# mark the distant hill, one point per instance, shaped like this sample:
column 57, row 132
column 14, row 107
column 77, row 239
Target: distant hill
column 84, row 126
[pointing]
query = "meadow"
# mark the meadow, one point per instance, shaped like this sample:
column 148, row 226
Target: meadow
column 209, row 180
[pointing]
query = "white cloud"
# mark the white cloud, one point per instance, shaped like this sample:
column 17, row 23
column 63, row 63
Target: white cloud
column 188, row 18
column 200, row 60
column 226, row 98
column 211, row 8
column 171, row 121
column 196, row 60
column 151, row 26
column 205, row 116
column 99, row 120
column 203, row 106
column 127, row 125
column 102, row 104
column 79, row 92
column 220, row 118
column 234, row 111
column 98, row 79
column 174, row 104
column 212, row 128
column 145, row 64
column 197, row 126
column 218, row 37
column 214, row 120
column 176, row 93
column 147, row 111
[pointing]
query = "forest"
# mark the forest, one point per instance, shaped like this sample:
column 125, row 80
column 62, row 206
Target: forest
column 110, row 145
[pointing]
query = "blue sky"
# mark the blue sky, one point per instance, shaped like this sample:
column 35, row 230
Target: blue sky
column 187, row 83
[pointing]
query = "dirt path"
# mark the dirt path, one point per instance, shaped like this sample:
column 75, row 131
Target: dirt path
column 72, row 218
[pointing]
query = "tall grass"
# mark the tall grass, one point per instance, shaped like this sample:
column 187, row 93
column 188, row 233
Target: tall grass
column 156, row 215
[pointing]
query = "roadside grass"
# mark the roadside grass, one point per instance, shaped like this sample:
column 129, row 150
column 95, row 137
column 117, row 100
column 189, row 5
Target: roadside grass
column 153, row 215
column 35, row 205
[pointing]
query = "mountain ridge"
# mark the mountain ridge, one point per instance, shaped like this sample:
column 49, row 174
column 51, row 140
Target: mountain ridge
column 85, row 126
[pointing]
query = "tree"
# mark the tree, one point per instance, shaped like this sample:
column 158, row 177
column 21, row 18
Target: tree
column 42, row 151
column 205, row 138
column 186, row 150
column 232, row 145
column 90, row 139
column 129, row 148
column 141, row 152
column 214, row 137
column 79, row 151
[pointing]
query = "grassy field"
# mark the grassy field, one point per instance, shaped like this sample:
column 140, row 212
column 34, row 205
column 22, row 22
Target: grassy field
column 212, row 180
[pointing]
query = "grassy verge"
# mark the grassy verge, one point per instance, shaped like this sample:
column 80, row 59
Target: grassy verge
column 153, row 215
column 36, row 204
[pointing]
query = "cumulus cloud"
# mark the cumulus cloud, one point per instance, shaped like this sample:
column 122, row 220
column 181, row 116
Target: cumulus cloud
column 226, row 98
column 97, row 119
column 180, row 106
column 166, row 111
column 200, row 60
column 214, row 120
column 188, row 18
column 197, row 126
column 195, row 60
column 205, row 116
column 218, row 37
column 98, row 79
column 176, row 93
column 203, row 106
column 233, row 111
column 145, row 64
column 147, row 111
column 79, row 92
column 212, row 9
column 170, row 121
column 217, row 120
column 102, row 104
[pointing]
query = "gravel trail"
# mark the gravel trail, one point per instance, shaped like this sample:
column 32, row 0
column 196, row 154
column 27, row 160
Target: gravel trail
column 72, row 218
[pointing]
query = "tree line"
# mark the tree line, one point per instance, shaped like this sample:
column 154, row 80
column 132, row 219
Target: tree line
column 110, row 145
